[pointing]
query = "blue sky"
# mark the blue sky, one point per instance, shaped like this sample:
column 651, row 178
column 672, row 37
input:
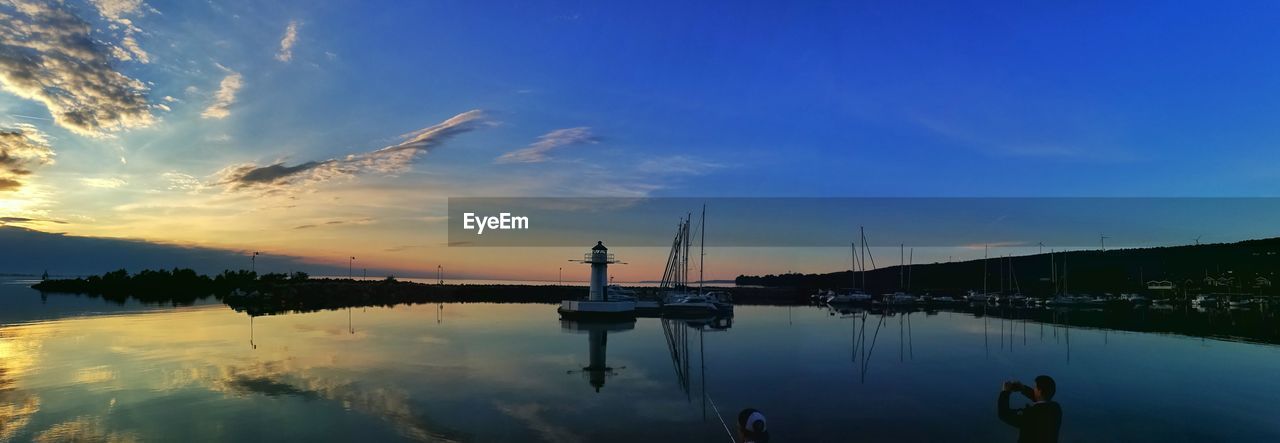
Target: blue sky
column 585, row 99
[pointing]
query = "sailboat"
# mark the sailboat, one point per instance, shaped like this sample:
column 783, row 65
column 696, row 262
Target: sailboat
column 681, row 300
column 1066, row 299
column 984, row 296
column 857, row 294
column 900, row 298
column 1017, row 299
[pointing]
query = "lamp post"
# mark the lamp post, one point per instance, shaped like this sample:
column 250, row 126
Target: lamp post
column 561, row 276
column 349, row 263
column 253, row 262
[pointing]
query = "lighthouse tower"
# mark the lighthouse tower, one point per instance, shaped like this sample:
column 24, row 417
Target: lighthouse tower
column 599, row 258
column 597, row 303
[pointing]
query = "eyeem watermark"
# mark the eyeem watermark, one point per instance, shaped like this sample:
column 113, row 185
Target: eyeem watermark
column 503, row 221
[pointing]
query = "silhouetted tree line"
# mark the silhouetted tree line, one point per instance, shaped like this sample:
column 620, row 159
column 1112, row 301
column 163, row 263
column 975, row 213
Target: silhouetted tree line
column 177, row 286
column 1234, row 267
column 276, row 293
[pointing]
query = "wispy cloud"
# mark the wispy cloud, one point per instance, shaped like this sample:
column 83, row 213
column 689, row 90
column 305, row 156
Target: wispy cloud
column 178, row 181
column 225, row 97
column 27, row 220
column 537, row 151
column 49, row 55
column 106, row 183
column 286, row 43
column 22, row 149
column 117, row 13
column 1014, row 143
column 678, row 164
column 389, row 160
column 363, row 221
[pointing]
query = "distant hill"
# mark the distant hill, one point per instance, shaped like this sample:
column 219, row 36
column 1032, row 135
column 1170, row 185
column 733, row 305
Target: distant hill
column 1246, row 266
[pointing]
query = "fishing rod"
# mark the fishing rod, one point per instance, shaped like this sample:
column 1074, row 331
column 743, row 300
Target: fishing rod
column 722, row 422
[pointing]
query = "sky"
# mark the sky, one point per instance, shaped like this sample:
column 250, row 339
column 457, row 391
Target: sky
column 326, row 130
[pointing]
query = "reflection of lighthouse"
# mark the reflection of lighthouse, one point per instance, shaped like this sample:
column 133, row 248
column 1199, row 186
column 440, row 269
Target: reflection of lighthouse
column 598, row 305
column 599, row 341
column 597, row 368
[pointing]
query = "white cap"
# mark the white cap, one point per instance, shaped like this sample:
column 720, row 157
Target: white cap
column 755, row 422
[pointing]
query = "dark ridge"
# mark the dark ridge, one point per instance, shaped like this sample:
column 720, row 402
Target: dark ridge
column 1236, row 267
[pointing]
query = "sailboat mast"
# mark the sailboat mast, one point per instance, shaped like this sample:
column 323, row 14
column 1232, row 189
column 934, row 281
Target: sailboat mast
column 901, row 264
column 702, row 250
column 1001, row 276
column 853, row 264
column 911, row 261
column 985, row 259
column 862, row 232
column 1064, row 274
column 688, row 246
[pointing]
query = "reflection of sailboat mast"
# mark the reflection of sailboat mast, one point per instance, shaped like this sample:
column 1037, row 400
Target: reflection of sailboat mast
column 678, row 345
column 911, row 348
column 702, row 361
column 867, row 352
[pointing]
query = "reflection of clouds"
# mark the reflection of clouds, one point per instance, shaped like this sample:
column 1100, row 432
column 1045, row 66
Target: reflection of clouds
column 205, row 351
column 16, row 409
column 82, row 429
column 657, row 409
column 279, row 379
column 531, row 415
column 265, row 386
column 341, row 331
column 432, row 340
column 17, row 356
column 96, row 374
column 19, row 348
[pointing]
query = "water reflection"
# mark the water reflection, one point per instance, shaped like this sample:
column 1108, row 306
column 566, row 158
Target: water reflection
column 597, row 346
column 496, row 372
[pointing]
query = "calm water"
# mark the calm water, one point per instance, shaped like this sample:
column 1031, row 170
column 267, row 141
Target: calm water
column 82, row 367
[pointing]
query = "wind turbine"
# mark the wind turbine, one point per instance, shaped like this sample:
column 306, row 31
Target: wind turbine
column 1198, row 239
column 1103, row 239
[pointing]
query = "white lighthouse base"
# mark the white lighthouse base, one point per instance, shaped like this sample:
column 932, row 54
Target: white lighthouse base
column 596, row 309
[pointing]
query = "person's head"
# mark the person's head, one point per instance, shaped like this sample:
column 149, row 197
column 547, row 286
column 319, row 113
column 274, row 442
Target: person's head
column 1045, row 388
column 752, row 427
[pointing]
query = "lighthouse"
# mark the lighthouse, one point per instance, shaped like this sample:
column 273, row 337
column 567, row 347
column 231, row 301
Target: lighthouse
column 597, row 303
column 599, row 259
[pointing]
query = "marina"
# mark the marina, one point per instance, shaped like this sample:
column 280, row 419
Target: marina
column 504, row 372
